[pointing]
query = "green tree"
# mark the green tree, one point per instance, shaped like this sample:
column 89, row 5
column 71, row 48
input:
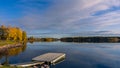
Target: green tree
column 24, row 36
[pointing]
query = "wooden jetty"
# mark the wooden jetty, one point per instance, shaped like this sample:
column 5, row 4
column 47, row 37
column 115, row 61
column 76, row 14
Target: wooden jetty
column 49, row 57
column 27, row 64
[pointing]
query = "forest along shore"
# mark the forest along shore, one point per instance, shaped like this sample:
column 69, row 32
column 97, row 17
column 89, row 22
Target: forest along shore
column 11, row 37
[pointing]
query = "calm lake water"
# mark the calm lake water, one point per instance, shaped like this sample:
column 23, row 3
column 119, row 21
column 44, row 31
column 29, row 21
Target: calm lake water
column 78, row 55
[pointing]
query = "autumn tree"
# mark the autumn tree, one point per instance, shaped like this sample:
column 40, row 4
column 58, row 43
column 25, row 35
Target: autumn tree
column 12, row 33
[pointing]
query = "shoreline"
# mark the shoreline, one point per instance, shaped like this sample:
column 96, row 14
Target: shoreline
column 5, row 47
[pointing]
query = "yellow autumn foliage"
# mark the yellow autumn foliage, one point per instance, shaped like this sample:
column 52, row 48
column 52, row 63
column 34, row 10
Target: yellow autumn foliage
column 12, row 33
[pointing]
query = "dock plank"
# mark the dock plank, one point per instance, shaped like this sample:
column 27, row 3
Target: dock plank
column 49, row 57
column 27, row 64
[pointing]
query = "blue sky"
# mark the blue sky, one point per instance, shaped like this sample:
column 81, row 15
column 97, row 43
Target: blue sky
column 61, row 16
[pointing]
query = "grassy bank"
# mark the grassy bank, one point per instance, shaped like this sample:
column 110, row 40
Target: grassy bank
column 9, row 67
column 2, row 43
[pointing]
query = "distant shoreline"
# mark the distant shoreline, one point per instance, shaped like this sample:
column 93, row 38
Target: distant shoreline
column 93, row 39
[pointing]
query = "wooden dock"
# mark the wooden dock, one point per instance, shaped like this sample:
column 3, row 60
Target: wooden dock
column 49, row 57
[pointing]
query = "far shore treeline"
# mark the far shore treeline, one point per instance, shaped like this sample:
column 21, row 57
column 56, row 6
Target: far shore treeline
column 94, row 39
column 34, row 39
column 12, row 33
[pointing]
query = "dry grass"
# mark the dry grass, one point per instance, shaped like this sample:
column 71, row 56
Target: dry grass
column 2, row 43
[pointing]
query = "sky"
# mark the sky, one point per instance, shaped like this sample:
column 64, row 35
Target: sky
column 62, row 16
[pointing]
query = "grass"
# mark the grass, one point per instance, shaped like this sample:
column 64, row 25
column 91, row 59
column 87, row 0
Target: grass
column 2, row 43
column 9, row 67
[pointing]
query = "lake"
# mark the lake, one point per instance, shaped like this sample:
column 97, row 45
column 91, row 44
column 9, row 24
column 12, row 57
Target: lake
column 78, row 55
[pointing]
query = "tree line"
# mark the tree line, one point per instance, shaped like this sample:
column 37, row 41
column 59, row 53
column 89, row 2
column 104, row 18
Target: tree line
column 94, row 39
column 12, row 33
column 91, row 39
column 34, row 39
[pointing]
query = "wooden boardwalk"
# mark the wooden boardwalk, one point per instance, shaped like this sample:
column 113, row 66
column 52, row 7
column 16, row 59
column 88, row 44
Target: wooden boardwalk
column 49, row 57
column 27, row 64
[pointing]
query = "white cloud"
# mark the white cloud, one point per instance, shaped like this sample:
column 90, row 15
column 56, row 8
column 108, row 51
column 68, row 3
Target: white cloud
column 69, row 15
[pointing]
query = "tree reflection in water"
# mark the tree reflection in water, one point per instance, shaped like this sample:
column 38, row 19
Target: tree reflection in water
column 11, row 52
